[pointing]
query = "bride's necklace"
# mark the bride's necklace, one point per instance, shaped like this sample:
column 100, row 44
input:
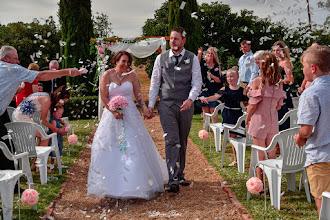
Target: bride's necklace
column 120, row 78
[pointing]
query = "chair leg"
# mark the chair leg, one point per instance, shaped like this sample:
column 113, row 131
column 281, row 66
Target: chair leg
column 217, row 139
column 59, row 161
column 43, row 169
column 240, row 155
column 7, row 197
column 274, row 180
column 305, row 181
column 291, row 181
column 253, row 162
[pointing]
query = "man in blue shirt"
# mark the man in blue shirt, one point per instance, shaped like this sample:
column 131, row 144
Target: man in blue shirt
column 11, row 76
column 248, row 69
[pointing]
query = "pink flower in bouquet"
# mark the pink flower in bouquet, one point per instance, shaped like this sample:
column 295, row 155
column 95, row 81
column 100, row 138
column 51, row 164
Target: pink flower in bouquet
column 30, row 197
column 254, row 185
column 118, row 103
column 72, row 139
column 203, row 134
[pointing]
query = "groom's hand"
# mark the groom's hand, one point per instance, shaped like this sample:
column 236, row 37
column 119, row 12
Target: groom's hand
column 186, row 105
column 151, row 113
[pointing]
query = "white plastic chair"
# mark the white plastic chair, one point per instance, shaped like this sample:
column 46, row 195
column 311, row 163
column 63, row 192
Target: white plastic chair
column 23, row 136
column 325, row 206
column 292, row 114
column 8, row 179
column 208, row 125
column 291, row 160
column 66, row 120
column 239, row 143
column 10, row 111
column 295, row 102
column 36, row 117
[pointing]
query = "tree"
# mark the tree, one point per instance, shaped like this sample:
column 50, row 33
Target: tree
column 186, row 18
column 77, row 29
column 325, row 6
column 35, row 42
column 102, row 26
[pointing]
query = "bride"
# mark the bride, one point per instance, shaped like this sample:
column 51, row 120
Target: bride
column 135, row 170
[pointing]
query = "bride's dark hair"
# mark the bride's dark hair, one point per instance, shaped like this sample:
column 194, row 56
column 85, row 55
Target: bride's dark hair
column 55, row 97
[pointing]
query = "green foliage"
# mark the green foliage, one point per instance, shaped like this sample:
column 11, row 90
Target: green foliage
column 102, row 26
column 35, row 42
column 84, row 107
column 77, row 29
column 183, row 18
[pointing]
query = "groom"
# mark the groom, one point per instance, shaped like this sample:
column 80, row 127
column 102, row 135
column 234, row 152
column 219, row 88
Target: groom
column 176, row 76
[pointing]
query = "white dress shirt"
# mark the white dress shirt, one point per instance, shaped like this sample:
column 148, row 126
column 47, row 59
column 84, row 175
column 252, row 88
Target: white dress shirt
column 196, row 81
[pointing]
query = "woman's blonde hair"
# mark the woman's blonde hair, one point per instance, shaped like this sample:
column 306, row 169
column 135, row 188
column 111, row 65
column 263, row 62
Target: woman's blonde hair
column 215, row 55
column 269, row 69
column 33, row 66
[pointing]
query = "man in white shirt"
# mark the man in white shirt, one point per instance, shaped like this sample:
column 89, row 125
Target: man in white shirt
column 176, row 77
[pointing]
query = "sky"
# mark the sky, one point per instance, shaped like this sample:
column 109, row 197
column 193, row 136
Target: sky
column 129, row 16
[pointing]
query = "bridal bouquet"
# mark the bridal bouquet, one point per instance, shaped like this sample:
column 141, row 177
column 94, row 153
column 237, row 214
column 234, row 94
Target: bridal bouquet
column 118, row 103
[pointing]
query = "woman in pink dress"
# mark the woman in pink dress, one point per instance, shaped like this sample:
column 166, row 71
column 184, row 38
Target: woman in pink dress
column 266, row 98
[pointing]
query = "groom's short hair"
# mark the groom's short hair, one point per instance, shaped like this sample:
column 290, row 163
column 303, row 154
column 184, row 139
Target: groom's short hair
column 180, row 30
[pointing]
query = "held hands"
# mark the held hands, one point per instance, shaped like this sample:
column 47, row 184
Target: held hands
column 203, row 100
column 147, row 114
column 186, row 105
column 151, row 113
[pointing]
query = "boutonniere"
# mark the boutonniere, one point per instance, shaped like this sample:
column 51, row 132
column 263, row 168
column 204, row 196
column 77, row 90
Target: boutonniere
column 187, row 61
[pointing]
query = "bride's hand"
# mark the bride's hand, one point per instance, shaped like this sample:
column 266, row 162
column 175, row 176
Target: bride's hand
column 117, row 115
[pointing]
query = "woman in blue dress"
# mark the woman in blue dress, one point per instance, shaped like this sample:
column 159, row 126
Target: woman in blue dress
column 212, row 79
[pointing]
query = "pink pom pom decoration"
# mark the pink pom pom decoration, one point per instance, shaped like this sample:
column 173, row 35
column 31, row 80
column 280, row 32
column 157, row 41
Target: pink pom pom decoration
column 72, row 139
column 254, row 185
column 30, row 197
column 203, row 134
column 118, row 103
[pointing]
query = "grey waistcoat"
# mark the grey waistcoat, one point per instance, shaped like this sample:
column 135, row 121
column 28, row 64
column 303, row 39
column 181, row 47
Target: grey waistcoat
column 175, row 81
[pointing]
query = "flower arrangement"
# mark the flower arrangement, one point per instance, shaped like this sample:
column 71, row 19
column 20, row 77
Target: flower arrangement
column 27, row 107
column 72, row 139
column 254, row 185
column 203, row 134
column 30, row 197
column 118, row 103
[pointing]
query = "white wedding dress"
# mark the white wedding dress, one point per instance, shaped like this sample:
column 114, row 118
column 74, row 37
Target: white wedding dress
column 125, row 162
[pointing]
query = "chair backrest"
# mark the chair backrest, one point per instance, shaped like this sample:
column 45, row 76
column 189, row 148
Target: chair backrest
column 10, row 111
column 218, row 108
column 36, row 117
column 295, row 102
column 23, row 136
column 292, row 114
column 294, row 157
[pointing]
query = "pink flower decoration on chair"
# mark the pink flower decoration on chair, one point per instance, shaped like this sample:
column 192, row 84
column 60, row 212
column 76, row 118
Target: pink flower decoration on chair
column 254, row 185
column 72, row 139
column 30, row 197
column 118, row 103
column 203, row 134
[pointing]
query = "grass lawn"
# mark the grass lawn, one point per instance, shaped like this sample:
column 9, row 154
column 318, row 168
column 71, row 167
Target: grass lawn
column 294, row 205
column 47, row 192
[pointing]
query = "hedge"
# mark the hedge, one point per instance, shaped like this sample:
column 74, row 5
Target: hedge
column 84, row 107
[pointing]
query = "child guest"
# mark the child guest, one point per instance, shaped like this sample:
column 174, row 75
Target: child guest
column 231, row 95
column 266, row 98
column 314, row 114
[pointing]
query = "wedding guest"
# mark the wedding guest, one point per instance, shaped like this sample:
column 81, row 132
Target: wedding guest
column 12, row 75
column 248, row 69
column 282, row 53
column 44, row 103
column 176, row 77
column 212, row 79
column 313, row 116
column 28, row 88
column 51, row 85
column 266, row 98
column 125, row 163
